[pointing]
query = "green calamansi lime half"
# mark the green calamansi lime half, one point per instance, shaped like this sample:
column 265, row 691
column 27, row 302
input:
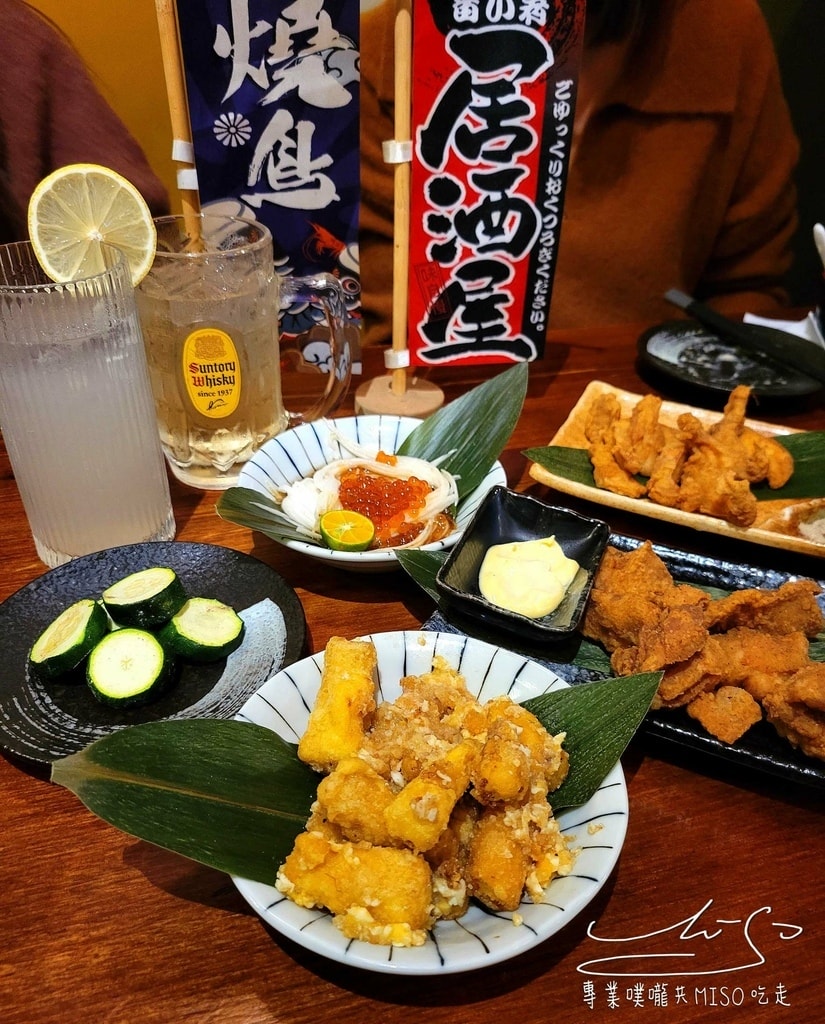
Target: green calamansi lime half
column 343, row 530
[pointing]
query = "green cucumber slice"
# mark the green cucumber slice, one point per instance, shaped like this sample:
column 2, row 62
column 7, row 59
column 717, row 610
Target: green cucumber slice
column 127, row 667
column 203, row 630
column 67, row 641
column 145, row 599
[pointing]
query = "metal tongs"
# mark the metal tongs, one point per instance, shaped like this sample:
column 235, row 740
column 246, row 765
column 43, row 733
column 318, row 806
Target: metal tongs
column 781, row 347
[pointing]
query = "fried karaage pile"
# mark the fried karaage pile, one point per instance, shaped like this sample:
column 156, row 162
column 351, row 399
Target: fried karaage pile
column 689, row 466
column 428, row 802
column 729, row 661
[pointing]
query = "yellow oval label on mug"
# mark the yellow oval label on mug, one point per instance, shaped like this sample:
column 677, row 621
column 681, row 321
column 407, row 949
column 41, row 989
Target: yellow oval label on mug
column 212, row 372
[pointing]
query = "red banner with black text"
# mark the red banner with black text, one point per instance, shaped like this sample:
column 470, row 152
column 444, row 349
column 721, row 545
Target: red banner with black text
column 493, row 96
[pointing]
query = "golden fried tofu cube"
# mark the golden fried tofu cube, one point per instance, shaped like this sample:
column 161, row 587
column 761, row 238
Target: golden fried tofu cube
column 448, row 860
column 345, row 701
column 354, row 797
column 513, row 755
column 421, row 810
column 498, row 862
column 377, row 894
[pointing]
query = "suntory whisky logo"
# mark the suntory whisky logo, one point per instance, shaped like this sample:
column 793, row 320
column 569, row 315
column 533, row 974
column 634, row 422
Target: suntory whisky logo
column 212, row 372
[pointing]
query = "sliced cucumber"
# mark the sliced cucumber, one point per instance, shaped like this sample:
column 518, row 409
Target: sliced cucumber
column 145, row 599
column 203, row 630
column 128, row 666
column 67, row 641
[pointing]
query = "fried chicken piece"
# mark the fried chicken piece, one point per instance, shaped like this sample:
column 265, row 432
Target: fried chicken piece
column 726, row 713
column 672, row 636
column 663, row 483
column 712, row 480
column 683, row 682
column 790, row 608
column 639, row 438
column 757, row 457
column 602, row 418
column 632, row 593
column 759, row 661
column 767, row 459
column 796, row 709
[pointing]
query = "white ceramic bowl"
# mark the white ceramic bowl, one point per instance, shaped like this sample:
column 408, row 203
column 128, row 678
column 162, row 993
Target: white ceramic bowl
column 481, row 937
column 299, row 452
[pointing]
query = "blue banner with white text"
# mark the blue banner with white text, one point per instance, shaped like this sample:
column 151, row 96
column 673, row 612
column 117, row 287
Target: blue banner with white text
column 273, row 101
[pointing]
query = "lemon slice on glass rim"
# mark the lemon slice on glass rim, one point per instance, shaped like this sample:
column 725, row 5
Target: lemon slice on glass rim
column 77, row 207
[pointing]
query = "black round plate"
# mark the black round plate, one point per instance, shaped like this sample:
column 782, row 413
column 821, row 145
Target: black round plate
column 689, row 355
column 41, row 724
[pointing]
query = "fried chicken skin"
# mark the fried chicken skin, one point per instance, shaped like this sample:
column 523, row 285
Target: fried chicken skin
column 599, row 427
column 796, row 709
column 790, row 608
column 757, row 457
column 701, row 469
column 712, row 482
column 633, row 595
column 726, row 661
column 639, row 438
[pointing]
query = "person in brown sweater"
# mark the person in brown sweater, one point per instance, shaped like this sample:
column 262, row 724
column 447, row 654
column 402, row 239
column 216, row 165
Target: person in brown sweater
column 681, row 169
column 52, row 114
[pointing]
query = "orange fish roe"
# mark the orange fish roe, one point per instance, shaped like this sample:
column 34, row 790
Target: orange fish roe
column 388, row 501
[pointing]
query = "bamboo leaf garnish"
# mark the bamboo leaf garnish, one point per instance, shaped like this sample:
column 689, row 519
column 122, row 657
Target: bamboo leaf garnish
column 245, row 506
column 473, row 428
column 234, row 796
column 423, row 566
column 228, row 794
column 807, row 449
column 570, row 463
column 597, row 717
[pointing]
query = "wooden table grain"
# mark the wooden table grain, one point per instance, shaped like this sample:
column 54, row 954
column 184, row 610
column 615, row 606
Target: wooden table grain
column 720, row 872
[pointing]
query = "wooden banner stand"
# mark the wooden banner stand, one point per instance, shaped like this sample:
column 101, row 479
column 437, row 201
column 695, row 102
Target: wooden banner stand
column 420, row 397
column 397, row 393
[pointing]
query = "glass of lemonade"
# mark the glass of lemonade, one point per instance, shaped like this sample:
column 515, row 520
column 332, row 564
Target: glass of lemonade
column 210, row 311
column 76, row 409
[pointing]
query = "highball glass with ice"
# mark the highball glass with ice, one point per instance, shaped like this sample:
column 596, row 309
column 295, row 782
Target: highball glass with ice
column 210, row 309
column 76, row 409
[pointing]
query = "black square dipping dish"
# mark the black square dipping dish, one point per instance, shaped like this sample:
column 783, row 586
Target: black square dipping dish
column 504, row 517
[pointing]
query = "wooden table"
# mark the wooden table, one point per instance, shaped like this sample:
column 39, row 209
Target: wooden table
column 99, row 927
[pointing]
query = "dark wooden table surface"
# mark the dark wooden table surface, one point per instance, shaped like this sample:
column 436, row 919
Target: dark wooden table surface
column 100, row 927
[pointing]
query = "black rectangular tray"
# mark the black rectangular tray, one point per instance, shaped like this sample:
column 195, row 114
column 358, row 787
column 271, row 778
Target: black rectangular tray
column 760, row 750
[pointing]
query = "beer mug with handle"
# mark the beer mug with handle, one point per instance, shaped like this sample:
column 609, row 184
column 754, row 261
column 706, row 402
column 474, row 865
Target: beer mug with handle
column 211, row 311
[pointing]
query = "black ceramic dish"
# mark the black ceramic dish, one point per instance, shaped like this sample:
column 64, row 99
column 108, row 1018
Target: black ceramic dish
column 698, row 363
column 506, row 516
column 40, row 724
